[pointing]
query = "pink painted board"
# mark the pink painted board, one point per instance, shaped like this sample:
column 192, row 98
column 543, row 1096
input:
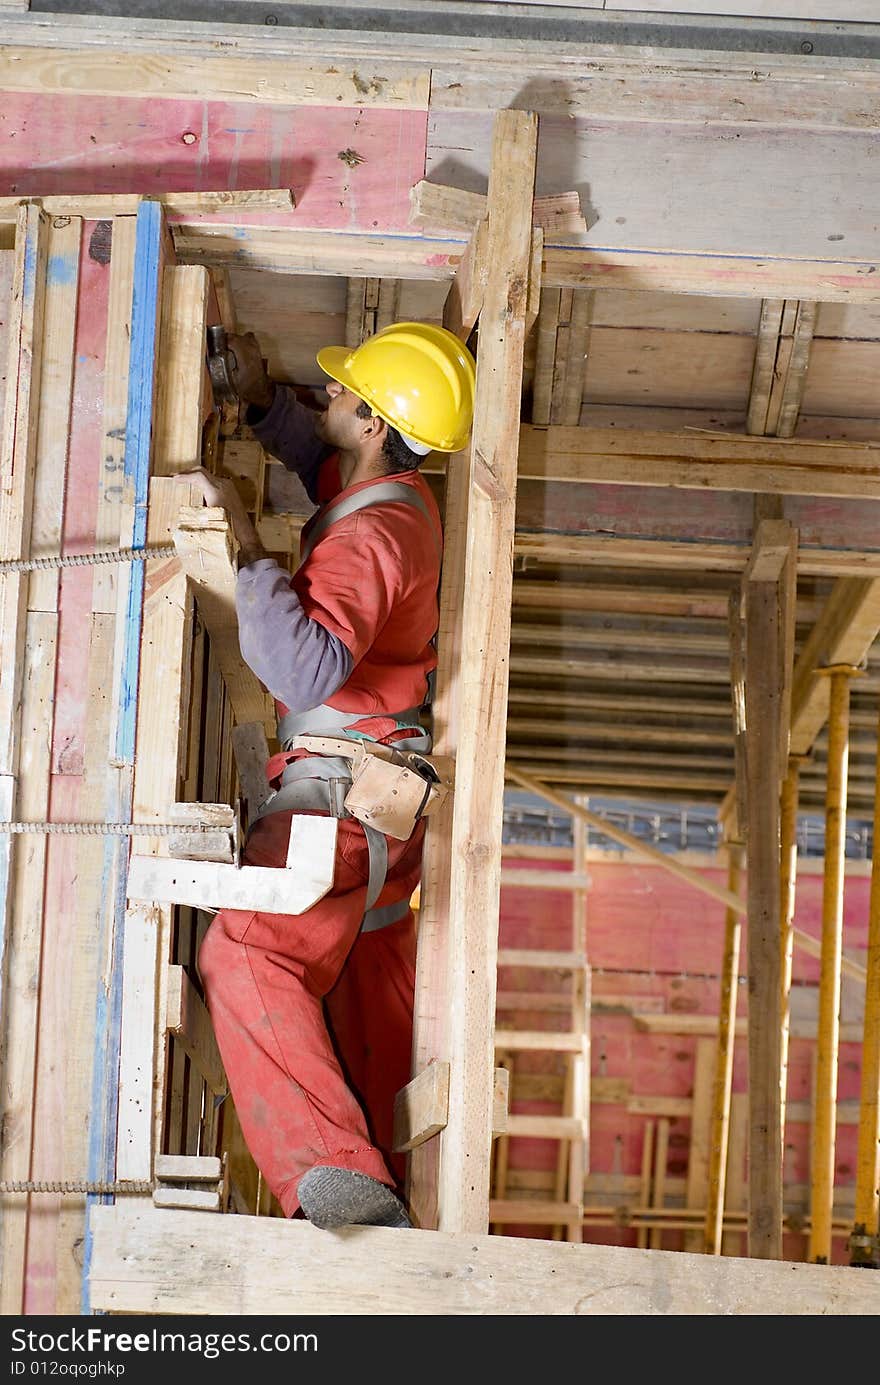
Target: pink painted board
column 73, row 143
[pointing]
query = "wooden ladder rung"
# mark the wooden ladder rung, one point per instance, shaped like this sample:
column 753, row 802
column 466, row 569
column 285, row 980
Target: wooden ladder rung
column 547, row 1127
column 534, row 1212
column 516, row 1040
column 539, row 957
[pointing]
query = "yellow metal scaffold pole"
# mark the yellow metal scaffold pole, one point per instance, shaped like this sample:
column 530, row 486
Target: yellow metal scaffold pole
column 825, row 1097
column 864, row 1244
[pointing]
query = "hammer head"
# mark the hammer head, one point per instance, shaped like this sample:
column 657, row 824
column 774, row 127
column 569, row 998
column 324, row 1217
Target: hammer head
column 219, row 361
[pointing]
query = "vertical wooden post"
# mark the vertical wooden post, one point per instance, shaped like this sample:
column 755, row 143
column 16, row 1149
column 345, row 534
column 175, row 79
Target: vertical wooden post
column 828, row 1038
column 762, row 719
column 724, row 1062
column 24, row 778
column 767, row 675
column 458, row 931
column 865, row 1240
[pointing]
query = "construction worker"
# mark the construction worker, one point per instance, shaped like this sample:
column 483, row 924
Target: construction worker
column 313, row 1012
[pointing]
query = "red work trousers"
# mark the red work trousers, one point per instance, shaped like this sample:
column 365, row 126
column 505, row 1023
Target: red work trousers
column 314, row 1018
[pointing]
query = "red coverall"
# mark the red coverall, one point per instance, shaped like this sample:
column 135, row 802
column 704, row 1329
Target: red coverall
column 312, row 1017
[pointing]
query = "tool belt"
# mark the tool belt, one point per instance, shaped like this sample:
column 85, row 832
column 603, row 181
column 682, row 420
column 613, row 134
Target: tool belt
column 388, row 789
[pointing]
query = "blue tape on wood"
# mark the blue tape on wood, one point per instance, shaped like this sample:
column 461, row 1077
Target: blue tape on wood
column 147, row 284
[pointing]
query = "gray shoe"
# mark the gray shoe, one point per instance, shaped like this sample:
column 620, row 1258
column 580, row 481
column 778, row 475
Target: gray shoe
column 332, row 1197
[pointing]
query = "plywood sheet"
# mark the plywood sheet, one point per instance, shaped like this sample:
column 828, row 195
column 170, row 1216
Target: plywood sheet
column 693, row 187
column 71, row 143
column 679, row 369
column 843, row 378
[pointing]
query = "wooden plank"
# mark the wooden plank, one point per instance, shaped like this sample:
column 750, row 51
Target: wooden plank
column 25, row 966
column 766, row 349
column 421, row 1108
column 177, row 443
column 538, row 957
column 119, row 70
column 102, row 206
column 694, row 555
column 436, row 207
column 567, row 410
column 187, row 1018
column 251, row 751
column 465, row 297
column 206, row 548
column 134, row 1138
column 796, row 374
column 546, row 1127
column 545, row 359
column 20, row 941
column 465, row 1003
column 706, row 461
column 138, row 1252
column 56, row 389
column 533, row 1212
column 661, row 1158
column 771, row 550
column 700, row 1136
column 544, row 880
column 432, row 257
column 116, row 363
column 174, row 1168
column 850, row 1032
column 521, row 1040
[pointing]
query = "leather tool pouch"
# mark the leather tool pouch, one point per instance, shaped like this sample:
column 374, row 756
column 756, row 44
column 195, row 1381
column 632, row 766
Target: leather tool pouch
column 392, row 797
column 390, row 790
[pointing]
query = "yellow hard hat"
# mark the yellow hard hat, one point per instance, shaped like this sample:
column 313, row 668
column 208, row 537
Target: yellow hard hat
column 419, row 378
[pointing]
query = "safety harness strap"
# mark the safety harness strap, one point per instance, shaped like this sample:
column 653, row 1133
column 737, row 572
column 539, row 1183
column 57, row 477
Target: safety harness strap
column 384, row 493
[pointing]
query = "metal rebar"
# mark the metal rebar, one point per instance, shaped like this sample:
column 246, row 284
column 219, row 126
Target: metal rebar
column 109, row 555
column 74, row 1185
column 108, row 829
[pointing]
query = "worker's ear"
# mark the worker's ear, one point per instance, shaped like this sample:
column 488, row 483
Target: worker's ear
column 374, row 427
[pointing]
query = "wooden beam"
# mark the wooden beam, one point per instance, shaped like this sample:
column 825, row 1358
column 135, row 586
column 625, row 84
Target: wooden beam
column 102, row 206
column 421, row 1108
column 463, row 860
column 436, row 207
column 187, row 1018
column 715, row 461
column 465, row 297
column 138, row 1252
column 764, row 684
column 688, row 555
column 723, row 1076
column 305, row 251
column 118, row 69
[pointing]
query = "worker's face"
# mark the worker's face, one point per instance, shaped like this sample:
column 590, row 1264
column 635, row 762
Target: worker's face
column 339, row 424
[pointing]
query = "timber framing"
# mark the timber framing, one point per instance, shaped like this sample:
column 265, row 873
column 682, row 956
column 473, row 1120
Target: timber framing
column 568, row 588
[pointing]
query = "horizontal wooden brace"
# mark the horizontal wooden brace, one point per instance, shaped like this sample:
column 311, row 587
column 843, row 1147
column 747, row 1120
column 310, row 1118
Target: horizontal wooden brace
column 421, row 1108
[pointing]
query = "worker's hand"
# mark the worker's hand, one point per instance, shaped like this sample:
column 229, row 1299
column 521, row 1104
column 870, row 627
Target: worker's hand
column 250, row 379
column 221, row 491
column 216, row 490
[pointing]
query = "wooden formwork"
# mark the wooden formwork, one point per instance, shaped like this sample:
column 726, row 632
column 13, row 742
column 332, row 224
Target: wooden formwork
column 159, row 657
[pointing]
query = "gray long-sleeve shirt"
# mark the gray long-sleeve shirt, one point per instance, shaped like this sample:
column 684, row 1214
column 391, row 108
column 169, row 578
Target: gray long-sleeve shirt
column 300, row 662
